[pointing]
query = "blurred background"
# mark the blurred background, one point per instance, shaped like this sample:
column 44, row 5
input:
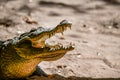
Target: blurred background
column 95, row 33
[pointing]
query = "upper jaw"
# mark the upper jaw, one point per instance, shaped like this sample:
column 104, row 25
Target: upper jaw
column 38, row 37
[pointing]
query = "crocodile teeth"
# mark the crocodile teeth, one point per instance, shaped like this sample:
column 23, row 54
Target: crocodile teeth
column 50, row 35
column 52, row 49
column 62, row 33
column 69, row 27
column 61, row 47
column 63, row 28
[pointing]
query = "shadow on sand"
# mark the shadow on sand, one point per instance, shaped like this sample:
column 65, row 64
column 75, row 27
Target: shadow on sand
column 112, row 2
column 59, row 77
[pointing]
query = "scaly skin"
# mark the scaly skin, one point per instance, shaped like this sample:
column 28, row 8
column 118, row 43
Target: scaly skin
column 20, row 56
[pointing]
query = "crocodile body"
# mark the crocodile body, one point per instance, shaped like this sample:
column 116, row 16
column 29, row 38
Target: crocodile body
column 20, row 56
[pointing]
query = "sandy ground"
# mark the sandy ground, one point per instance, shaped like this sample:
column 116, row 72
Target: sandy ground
column 95, row 33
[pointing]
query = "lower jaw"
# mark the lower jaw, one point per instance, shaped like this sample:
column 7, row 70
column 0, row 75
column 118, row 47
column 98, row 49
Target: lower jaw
column 55, row 57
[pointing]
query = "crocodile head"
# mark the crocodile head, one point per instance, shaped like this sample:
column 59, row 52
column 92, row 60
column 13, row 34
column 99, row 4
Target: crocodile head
column 33, row 44
column 20, row 56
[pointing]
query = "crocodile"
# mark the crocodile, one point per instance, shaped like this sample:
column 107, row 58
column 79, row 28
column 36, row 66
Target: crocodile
column 20, row 56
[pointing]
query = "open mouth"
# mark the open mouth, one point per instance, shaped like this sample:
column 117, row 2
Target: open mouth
column 39, row 36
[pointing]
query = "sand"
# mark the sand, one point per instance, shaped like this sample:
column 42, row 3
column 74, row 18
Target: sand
column 95, row 33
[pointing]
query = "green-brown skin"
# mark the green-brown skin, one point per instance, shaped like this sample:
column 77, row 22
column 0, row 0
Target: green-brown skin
column 20, row 56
